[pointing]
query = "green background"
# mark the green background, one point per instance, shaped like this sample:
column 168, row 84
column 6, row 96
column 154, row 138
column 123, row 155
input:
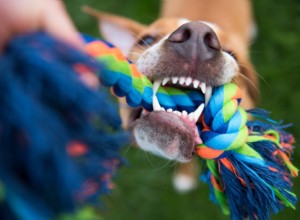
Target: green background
column 143, row 187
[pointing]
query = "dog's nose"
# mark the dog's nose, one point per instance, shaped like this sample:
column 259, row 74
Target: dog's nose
column 195, row 40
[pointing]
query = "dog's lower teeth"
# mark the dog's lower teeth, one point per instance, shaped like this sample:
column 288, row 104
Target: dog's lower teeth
column 177, row 113
column 198, row 112
column 193, row 116
column 156, row 105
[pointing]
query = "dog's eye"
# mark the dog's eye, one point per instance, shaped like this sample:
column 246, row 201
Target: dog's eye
column 231, row 53
column 146, row 40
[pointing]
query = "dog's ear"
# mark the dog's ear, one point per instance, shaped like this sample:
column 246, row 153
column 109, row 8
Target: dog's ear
column 120, row 31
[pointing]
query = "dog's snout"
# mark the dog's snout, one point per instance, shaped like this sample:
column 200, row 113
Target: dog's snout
column 195, row 39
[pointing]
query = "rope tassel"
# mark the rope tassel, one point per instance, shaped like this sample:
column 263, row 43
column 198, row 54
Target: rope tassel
column 248, row 170
column 248, row 165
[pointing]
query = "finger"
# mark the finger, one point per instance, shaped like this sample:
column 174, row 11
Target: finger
column 57, row 23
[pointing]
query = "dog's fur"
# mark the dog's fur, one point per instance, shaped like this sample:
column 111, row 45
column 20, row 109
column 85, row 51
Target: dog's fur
column 155, row 50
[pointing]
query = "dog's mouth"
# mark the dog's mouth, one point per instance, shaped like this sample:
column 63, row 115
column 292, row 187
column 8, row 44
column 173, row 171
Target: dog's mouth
column 172, row 133
column 194, row 51
column 189, row 116
column 182, row 83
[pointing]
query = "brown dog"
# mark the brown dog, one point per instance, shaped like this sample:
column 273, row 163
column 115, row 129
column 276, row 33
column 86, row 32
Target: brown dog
column 195, row 44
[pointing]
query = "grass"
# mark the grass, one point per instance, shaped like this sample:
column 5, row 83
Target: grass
column 143, row 188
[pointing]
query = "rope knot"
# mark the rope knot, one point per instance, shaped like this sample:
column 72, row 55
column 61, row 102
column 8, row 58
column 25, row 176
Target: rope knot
column 224, row 123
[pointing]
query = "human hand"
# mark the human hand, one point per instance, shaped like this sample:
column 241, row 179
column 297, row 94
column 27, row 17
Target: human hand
column 24, row 16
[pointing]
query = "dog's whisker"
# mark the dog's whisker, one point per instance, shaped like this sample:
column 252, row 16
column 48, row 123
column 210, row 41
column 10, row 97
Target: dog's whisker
column 250, row 81
column 127, row 149
column 141, row 47
column 139, row 38
column 237, row 51
column 146, row 44
column 148, row 159
column 256, row 73
column 168, row 164
column 160, row 34
column 134, row 53
column 251, row 43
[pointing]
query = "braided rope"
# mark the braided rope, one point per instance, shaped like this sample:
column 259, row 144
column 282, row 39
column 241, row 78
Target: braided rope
column 127, row 81
column 248, row 165
column 224, row 123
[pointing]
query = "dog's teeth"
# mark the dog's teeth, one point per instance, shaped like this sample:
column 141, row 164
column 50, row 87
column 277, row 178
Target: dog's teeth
column 208, row 94
column 188, row 81
column 163, row 109
column 181, row 80
column 177, row 113
column 174, row 80
column 198, row 112
column 156, row 105
column 169, row 110
column 184, row 113
column 203, row 87
column 192, row 116
column 164, row 82
column 196, row 83
column 156, row 85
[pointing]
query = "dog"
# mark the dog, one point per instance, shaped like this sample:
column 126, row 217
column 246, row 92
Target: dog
column 193, row 44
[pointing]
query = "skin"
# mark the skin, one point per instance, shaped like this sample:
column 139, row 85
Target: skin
column 24, row 16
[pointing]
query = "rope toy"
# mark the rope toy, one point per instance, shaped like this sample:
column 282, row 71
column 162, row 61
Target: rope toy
column 59, row 146
column 127, row 81
column 247, row 162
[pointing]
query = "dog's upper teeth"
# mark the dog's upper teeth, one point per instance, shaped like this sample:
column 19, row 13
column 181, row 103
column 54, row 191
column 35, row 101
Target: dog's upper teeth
column 208, row 94
column 196, row 83
column 181, row 80
column 164, row 82
column 156, row 86
column 188, row 81
column 203, row 87
column 174, row 80
column 193, row 116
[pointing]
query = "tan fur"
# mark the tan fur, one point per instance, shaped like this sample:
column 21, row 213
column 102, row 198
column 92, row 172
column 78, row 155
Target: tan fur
column 234, row 17
column 236, row 21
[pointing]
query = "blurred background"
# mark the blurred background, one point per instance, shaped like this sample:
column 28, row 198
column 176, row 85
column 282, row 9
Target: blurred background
column 143, row 188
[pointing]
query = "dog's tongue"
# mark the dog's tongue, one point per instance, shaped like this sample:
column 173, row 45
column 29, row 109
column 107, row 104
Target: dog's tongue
column 180, row 106
column 192, row 124
column 175, row 119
